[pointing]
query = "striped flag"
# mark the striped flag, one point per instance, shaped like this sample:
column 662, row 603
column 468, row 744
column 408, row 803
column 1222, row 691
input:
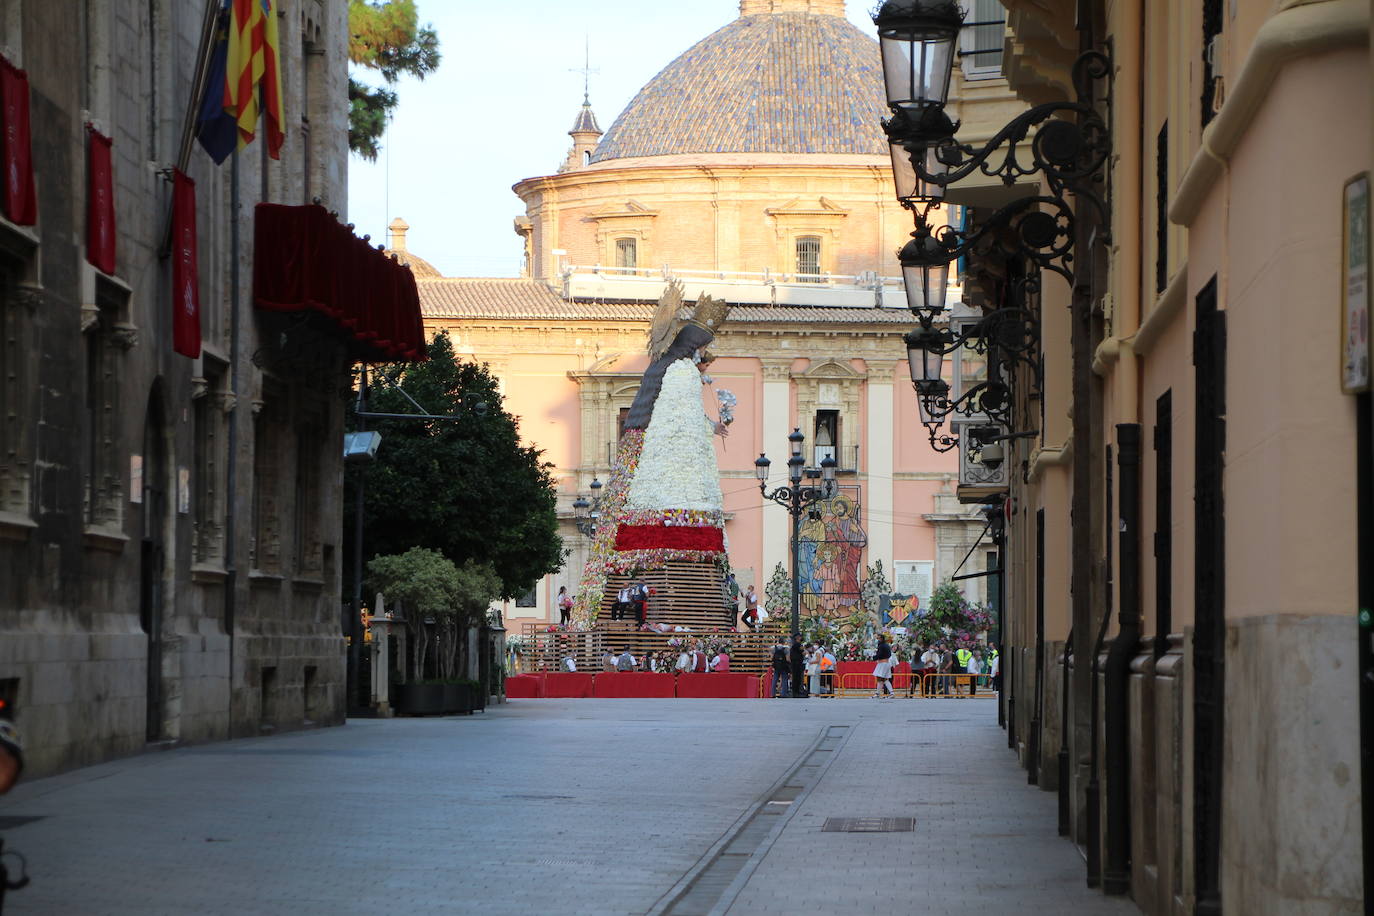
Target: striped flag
column 244, row 81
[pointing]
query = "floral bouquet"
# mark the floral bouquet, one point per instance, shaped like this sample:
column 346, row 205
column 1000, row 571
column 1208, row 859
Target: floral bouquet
column 727, row 401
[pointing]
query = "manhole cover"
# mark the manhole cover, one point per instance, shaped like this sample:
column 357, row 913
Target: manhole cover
column 869, row 825
column 11, row 821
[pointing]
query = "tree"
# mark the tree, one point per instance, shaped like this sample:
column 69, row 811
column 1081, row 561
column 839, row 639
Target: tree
column 465, row 487
column 427, row 585
column 385, row 36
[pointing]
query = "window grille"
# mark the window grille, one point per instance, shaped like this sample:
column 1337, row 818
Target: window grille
column 626, row 253
column 809, row 259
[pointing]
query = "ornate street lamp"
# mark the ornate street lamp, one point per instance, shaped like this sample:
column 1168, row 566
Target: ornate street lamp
column 918, row 40
column 796, row 499
column 587, row 512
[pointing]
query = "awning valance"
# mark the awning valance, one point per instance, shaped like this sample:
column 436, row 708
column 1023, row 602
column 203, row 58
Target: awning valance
column 306, row 260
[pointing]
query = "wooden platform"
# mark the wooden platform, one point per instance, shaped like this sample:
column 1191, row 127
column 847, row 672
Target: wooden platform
column 750, row 652
column 685, row 594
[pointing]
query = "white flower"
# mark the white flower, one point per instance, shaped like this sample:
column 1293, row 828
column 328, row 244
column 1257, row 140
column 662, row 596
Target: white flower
column 677, row 468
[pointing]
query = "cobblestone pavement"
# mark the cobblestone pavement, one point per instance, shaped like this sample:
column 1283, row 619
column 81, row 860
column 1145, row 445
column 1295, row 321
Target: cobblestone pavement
column 562, row 806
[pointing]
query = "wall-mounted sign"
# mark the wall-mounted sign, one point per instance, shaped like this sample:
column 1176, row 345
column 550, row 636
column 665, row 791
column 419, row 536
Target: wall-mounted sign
column 1355, row 286
column 135, row 478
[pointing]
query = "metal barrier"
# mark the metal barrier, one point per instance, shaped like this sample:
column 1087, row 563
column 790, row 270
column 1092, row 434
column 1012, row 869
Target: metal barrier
column 932, row 686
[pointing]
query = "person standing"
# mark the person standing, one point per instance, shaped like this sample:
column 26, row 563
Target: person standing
column 641, row 601
column 751, row 608
column 721, row 662
column 608, row 661
column 827, row 671
column 961, row 659
column 813, row 668
column 974, row 666
column 882, row 671
column 732, row 596
column 797, row 660
column 565, row 606
column 781, row 670
column 995, row 670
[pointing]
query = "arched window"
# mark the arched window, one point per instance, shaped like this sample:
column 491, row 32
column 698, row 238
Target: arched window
column 586, row 157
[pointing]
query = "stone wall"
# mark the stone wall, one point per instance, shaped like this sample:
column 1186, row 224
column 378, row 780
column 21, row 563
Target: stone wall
column 127, row 534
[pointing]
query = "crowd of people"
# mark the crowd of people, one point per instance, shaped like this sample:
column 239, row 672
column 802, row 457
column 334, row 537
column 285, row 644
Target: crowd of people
column 692, row 657
column 801, row 670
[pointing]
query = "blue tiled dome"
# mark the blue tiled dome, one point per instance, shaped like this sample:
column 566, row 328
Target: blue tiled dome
column 780, row 83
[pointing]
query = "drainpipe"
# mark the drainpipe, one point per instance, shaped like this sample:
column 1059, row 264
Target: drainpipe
column 231, row 473
column 1064, row 774
column 1116, row 876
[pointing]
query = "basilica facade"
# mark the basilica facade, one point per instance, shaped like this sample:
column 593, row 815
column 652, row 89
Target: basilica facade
column 753, row 169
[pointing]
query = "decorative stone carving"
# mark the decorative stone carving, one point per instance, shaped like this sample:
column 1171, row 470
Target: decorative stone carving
column 124, row 336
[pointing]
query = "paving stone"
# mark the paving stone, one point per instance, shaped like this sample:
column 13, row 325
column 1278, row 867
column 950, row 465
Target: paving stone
column 557, row 806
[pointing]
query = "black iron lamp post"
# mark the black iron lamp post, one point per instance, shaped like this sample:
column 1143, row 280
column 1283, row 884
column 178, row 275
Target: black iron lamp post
column 796, row 498
column 587, row 512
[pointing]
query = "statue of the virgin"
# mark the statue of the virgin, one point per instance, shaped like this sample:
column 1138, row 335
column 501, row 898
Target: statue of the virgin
column 662, row 503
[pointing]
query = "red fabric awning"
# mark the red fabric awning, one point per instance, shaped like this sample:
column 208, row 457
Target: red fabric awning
column 305, row 259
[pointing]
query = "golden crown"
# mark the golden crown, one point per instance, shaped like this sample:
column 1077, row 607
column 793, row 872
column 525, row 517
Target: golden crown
column 709, row 313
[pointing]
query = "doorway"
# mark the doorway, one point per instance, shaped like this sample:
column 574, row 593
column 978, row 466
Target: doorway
column 152, row 489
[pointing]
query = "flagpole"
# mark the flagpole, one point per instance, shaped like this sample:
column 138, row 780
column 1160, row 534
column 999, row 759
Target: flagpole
column 207, row 34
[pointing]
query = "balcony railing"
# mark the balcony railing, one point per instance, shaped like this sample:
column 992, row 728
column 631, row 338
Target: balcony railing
column 846, row 457
column 643, row 284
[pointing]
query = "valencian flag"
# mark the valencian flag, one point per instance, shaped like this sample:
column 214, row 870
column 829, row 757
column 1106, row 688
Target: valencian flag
column 100, row 210
column 16, row 155
column 243, row 80
column 185, row 275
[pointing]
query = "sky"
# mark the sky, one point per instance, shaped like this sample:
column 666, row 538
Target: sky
column 498, row 110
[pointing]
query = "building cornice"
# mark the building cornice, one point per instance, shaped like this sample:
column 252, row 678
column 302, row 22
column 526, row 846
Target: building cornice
column 1291, row 34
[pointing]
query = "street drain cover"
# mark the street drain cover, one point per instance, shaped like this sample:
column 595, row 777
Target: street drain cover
column 869, row 825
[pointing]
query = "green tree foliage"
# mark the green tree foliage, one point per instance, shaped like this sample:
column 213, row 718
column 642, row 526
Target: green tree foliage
column 385, row 36
column 429, row 588
column 467, row 487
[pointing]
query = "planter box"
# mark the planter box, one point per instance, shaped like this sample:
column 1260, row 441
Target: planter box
column 420, row 699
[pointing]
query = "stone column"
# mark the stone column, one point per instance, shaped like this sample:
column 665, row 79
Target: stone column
column 776, row 412
column 879, row 462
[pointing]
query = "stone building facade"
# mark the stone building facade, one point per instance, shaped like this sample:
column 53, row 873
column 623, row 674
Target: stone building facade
column 753, row 169
column 168, row 526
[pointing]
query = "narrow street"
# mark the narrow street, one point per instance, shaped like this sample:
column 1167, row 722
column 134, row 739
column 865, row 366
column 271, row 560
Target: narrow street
column 554, row 806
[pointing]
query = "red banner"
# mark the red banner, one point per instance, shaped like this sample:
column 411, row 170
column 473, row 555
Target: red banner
column 16, row 155
column 100, row 210
column 185, row 276
column 669, row 537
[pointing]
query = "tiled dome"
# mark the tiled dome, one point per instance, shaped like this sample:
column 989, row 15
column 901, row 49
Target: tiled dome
column 788, row 82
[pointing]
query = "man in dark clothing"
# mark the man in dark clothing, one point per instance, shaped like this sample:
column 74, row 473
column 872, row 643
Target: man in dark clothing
column 780, row 667
column 797, row 658
column 641, row 601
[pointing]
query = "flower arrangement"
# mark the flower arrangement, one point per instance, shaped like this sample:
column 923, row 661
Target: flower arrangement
column 727, row 401
column 680, row 472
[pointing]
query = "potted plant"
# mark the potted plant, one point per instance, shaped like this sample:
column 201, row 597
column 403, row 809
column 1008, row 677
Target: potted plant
column 443, row 600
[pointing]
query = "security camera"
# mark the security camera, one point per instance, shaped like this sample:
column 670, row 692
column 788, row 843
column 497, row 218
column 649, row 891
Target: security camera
column 991, row 456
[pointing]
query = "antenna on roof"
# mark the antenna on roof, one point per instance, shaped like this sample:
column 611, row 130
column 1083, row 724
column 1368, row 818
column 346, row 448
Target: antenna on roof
column 586, row 70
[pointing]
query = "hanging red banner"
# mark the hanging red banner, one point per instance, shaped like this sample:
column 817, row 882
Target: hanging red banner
column 16, row 155
column 185, row 276
column 100, row 210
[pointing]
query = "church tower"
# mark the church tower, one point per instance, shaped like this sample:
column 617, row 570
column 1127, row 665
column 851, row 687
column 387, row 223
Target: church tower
column 586, row 133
